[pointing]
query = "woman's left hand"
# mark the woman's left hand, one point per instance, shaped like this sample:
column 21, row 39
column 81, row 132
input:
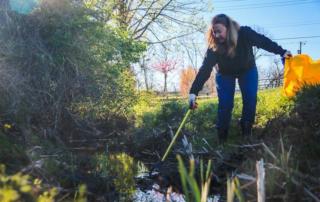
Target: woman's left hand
column 287, row 54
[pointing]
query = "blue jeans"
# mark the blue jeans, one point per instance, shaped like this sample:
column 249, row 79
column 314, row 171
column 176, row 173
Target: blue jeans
column 248, row 83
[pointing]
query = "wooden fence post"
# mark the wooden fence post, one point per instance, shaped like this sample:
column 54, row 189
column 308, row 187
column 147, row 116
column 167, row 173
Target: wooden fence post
column 260, row 181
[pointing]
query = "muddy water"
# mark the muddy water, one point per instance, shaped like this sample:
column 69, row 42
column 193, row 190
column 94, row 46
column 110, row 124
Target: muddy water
column 132, row 180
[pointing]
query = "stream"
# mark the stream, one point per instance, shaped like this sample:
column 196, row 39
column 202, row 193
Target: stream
column 134, row 181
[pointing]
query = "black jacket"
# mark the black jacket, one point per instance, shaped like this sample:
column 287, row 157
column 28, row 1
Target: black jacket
column 242, row 61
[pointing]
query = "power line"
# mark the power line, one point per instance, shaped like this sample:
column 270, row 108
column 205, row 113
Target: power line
column 275, row 39
column 265, row 5
column 261, row 4
column 237, row 1
column 306, row 21
column 227, row 1
column 299, row 37
column 293, row 25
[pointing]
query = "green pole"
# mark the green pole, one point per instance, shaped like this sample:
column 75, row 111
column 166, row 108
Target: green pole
column 176, row 135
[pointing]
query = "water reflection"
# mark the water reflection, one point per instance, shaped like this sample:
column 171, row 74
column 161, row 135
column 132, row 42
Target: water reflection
column 123, row 169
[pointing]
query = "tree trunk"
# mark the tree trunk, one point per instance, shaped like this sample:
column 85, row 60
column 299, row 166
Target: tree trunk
column 165, row 84
column 145, row 73
column 145, row 77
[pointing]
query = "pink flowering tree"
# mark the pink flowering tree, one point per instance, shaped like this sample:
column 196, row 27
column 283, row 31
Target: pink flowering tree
column 165, row 66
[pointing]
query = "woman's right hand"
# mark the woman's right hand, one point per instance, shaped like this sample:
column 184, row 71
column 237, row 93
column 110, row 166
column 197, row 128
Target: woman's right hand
column 192, row 101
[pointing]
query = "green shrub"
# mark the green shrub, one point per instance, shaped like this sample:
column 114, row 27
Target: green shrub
column 12, row 154
column 18, row 186
column 60, row 60
column 307, row 104
column 21, row 187
column 162, row 115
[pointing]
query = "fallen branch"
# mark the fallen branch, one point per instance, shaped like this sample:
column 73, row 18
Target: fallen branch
column 261, row 181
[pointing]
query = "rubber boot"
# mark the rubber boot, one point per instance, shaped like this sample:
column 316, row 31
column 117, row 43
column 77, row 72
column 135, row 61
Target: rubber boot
column 246, row 129
column 222, row 135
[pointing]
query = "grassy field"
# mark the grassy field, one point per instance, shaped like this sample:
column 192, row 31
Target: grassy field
column 157, row 113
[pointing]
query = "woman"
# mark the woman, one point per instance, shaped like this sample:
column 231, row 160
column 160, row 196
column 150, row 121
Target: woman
column 230, row 50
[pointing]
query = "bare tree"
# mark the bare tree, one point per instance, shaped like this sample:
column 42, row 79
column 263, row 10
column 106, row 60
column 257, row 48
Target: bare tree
column 147, row 18
column 275, row 74
column 160, row 23
column 144, row 68
column 258, row 53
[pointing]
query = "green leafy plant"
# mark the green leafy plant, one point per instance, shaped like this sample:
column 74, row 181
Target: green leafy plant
column 190, row 186
column 233, row 188
column 19, row 186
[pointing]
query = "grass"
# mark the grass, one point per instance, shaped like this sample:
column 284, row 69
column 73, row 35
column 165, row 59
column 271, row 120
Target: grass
column 159, row 114
column 192, row 191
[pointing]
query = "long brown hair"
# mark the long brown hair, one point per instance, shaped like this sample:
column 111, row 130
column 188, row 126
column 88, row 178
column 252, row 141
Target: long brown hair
column 229, row 47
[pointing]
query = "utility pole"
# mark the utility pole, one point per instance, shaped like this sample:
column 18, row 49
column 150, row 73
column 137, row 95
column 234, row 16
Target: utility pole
column 300, row 46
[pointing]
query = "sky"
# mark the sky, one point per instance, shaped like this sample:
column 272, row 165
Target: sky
column 23, row 6
column 282, row 19
column 288, row 22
